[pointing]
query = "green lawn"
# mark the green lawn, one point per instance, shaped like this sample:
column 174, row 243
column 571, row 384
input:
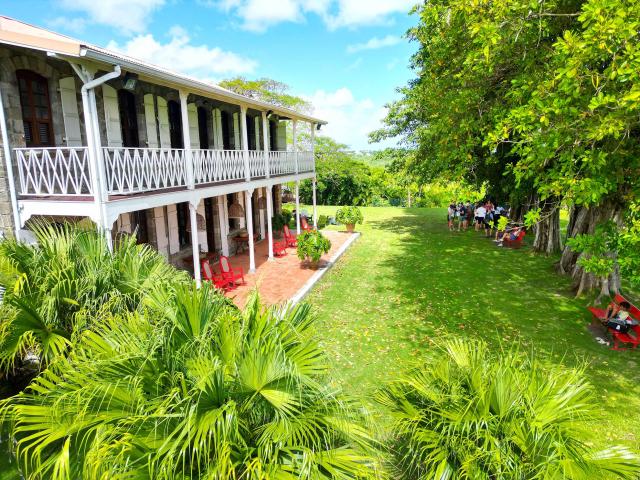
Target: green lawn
column 408, row 282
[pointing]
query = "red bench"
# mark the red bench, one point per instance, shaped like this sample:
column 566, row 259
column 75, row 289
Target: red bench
column 619, row 337
column 517, row 243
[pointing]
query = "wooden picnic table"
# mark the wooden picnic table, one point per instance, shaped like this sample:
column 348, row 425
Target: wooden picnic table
column 242, row 241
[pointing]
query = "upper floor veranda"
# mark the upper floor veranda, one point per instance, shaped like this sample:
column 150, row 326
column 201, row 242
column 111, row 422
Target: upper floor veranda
column 86, row 125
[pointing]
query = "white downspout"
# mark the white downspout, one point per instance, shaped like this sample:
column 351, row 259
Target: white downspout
column 93, row 136
column 9, row 167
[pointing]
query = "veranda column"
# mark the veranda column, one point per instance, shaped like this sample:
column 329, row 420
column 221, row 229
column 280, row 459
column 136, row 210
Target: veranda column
column 249, row 212
column 265, row 142
column 263, row 213
column 195, row 243
column 186, row 138
column 245, row 142
column 315, row 216
column 269, row 194
column 298, row 207
column 295, row 144
column 222, row 219
column 313, row 158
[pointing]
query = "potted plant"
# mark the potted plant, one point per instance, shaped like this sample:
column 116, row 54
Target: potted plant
column 311, row 246
column 349, row 216
column 277, row 224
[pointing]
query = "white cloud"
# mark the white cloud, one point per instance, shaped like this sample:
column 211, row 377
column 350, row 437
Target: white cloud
column 375, row 43
column 75, row 25
column 349, row 119
column 353, row 13
column 180, row 55
column 258, row 15
column 128, row 16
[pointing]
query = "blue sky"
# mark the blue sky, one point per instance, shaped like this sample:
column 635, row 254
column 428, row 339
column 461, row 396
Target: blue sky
column 346, row 56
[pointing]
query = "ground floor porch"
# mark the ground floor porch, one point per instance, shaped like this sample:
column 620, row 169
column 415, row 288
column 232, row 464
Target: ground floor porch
column 282, row 278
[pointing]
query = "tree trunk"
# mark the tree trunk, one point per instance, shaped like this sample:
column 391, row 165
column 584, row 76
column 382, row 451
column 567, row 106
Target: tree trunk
column 584, row 220
column 547, row 231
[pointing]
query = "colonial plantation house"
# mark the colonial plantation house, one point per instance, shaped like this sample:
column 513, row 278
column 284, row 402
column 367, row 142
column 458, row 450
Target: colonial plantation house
column 90, row 133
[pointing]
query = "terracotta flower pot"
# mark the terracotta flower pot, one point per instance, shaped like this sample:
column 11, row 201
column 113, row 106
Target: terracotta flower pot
column 350, row 227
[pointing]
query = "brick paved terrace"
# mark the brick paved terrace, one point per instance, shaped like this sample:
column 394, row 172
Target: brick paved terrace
column 280, row 279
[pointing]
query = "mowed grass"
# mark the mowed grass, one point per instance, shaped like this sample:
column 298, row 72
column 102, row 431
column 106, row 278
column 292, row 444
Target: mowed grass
column 408, row 282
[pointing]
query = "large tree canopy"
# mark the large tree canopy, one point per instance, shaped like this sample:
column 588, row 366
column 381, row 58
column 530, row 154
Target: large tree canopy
column 267, row 90
column 539, row 99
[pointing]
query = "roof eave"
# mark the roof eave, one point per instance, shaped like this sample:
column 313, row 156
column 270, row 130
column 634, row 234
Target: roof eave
column 191, row 84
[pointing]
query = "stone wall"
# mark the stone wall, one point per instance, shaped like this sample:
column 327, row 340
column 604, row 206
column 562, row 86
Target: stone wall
column 11, row 60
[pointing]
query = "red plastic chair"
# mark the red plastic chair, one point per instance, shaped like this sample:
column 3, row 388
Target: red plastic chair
column 210, row 276
column 231, row 275
column 305, row 225
column 517, row 243
column 289, row 238
column 279, row 249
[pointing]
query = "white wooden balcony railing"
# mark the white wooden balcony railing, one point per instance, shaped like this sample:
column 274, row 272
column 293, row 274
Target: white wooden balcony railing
column 55, row 171
column 282, row 163
column 306, row 162
column 256, row 164
column 211, row 166
column 136, row 170
column 65, row 171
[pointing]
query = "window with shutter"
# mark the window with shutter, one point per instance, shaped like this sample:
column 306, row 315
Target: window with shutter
column 273, row 135
column 163, row 123
column 150, row 121
column 128, row 119
column 194, row 131
column 202, row 128
column 36, row 109
column 175, row 124
column 225, row 120
column 69, row 102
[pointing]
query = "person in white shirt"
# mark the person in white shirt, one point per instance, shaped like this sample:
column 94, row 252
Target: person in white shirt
column 480, row 213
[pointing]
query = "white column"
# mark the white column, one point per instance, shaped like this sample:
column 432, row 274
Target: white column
column 262, row 213
column 313, row 144
column 298, row 207
column 195, row 243
column 265, row 142
column 315, row 216
column 249, row 214
column 186, row 138
column 269, row 215
column 245, row 142
column 295, row 143
column 222, row 219
column 109, row 238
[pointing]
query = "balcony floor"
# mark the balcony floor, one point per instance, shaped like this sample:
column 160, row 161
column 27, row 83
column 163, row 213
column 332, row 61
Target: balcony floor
column 280, row 280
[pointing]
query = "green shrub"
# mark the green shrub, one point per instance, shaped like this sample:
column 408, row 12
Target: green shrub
column 349, row 215
column 323, row 221
column 287, row 214
column 278, row 222
column 312, row 245
column 471, row 414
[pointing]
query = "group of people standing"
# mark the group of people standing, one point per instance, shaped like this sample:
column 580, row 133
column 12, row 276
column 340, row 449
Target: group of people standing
column 484, row 215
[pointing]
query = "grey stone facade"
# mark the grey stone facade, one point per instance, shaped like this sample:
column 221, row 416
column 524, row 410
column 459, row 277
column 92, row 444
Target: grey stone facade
column 12, row 60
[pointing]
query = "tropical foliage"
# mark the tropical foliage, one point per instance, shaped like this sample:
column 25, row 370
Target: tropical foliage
column 267, row 90
column 349, row 215
column 55, row 290
column 540, row 101
column 202, row 391
column 312, row 245
column 470, row 414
